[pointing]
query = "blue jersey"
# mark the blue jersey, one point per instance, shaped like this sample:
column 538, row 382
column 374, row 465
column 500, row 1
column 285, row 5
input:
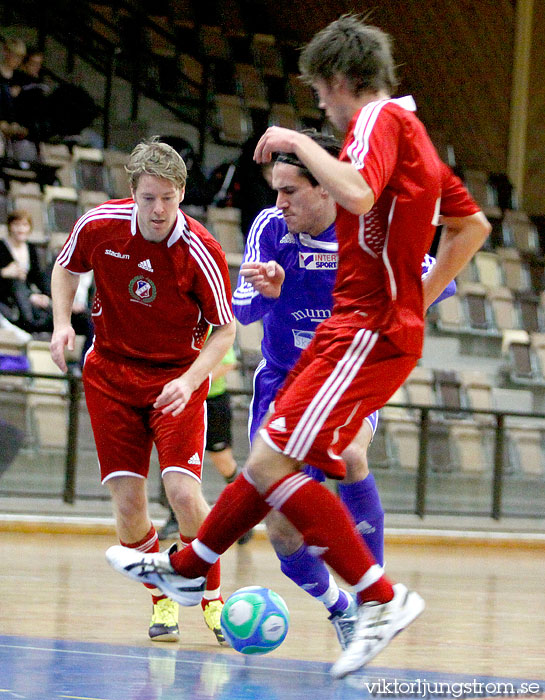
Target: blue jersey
column 310, row 264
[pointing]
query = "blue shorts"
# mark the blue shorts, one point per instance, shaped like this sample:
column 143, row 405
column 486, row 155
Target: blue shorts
column 267, row 381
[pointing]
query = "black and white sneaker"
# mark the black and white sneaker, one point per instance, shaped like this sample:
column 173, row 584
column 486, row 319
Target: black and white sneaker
column 155, row 568
column 344, row 621
column 376, row 626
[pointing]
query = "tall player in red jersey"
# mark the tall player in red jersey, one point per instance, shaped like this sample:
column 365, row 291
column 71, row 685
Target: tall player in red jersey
column 162, row 281
column 390, row 187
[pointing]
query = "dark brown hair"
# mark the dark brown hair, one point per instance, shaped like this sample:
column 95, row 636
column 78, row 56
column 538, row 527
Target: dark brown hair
column 354, row 50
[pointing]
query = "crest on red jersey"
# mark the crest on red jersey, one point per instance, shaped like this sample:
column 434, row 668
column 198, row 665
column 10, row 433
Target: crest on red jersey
column 142, row 289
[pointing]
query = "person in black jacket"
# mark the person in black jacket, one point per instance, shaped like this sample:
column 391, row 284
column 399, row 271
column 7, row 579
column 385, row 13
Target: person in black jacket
column 25, row 282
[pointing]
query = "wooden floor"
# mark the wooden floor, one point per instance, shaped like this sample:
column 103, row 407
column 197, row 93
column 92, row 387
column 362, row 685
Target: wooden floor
column 484, row 616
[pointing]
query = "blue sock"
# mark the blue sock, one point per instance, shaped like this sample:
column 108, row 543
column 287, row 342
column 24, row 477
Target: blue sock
column 363, row 501
column 311, row 574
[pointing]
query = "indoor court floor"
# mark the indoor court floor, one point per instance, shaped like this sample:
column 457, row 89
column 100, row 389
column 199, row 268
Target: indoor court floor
column 73, row 628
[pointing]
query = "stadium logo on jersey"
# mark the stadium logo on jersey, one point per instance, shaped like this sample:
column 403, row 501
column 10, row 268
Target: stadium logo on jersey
column 288, row 238
column 318, row 261
column 146, row 265
column 301, row 339
column 142, row 289
column 314, row 315
column 114, row 254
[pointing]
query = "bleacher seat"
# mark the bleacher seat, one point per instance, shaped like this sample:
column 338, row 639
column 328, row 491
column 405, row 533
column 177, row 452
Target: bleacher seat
column 478, row 184
column 284, row 115
column 464, row 431
column 193, row 70
column 214, row 43
column 448, row 316
column 468, row 273
column 303, row 99
column 90, row 171
column 28, row 196
column 488, row 268
column 233, row 120
column 248, row 349
column 537, row 343
column 224, row 224
column 503, row 306
column 522, row 231
column 61, row 206
column 478, row 390
column 477, row 309
column 401, row 430
column 47, row 398
column 48, row 414
column 515, row 271
column 118, row 181
column 87, row 200
column 215, row 53
column 251, row 87
column 266, row 55
column 530, row 311
column 521, row 359
column 58, row 155
column 527, row 442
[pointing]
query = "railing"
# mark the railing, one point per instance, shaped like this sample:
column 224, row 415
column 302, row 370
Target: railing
column 498, row 475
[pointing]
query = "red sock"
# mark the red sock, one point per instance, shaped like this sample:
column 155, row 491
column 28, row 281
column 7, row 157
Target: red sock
column 237, row 510
column 149, row 543
column 325, row 523
column 213, row 578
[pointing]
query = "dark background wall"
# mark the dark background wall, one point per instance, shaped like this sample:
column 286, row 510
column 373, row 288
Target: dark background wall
column 455, row 58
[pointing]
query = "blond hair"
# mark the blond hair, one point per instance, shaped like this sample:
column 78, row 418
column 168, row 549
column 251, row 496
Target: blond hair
column 152, row 157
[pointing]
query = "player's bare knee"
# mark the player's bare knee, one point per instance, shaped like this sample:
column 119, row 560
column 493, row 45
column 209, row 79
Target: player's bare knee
column 283, row 536
column 357, row 467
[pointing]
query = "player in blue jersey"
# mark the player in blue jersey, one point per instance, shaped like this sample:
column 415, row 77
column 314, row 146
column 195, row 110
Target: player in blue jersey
column 287, row 280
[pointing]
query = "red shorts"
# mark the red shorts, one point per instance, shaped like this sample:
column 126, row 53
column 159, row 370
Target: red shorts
column 120, row 397
column 344, row 375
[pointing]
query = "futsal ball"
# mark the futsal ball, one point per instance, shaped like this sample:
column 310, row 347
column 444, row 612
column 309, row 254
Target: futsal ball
column 255, row 620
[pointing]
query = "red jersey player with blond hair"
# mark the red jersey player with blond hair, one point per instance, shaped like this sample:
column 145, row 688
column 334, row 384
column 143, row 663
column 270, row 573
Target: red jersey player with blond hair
column 390, row 187
column 161, row 281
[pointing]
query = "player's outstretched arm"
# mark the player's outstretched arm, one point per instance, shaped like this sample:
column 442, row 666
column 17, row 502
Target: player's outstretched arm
column 64, row 285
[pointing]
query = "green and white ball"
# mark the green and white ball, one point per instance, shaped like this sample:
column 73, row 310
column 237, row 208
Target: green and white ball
column 255, row 620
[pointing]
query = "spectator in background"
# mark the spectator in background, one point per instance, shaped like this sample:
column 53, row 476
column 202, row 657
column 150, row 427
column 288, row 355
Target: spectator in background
column 31, row 108
column 11, row 57
column 25, row 282
column 30, row 70
column 24, row 287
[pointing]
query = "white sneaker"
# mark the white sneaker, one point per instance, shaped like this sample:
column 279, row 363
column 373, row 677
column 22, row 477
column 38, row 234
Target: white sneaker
column 344, row 621
column 377, row 625
column 155, row 568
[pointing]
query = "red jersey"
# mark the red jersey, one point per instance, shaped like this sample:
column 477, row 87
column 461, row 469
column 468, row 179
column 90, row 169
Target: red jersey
column 154, row 301
column 379, row 282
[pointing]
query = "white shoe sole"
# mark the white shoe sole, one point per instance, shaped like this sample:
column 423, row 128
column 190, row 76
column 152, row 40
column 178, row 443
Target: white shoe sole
column 349, row 663
column 186, row 592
